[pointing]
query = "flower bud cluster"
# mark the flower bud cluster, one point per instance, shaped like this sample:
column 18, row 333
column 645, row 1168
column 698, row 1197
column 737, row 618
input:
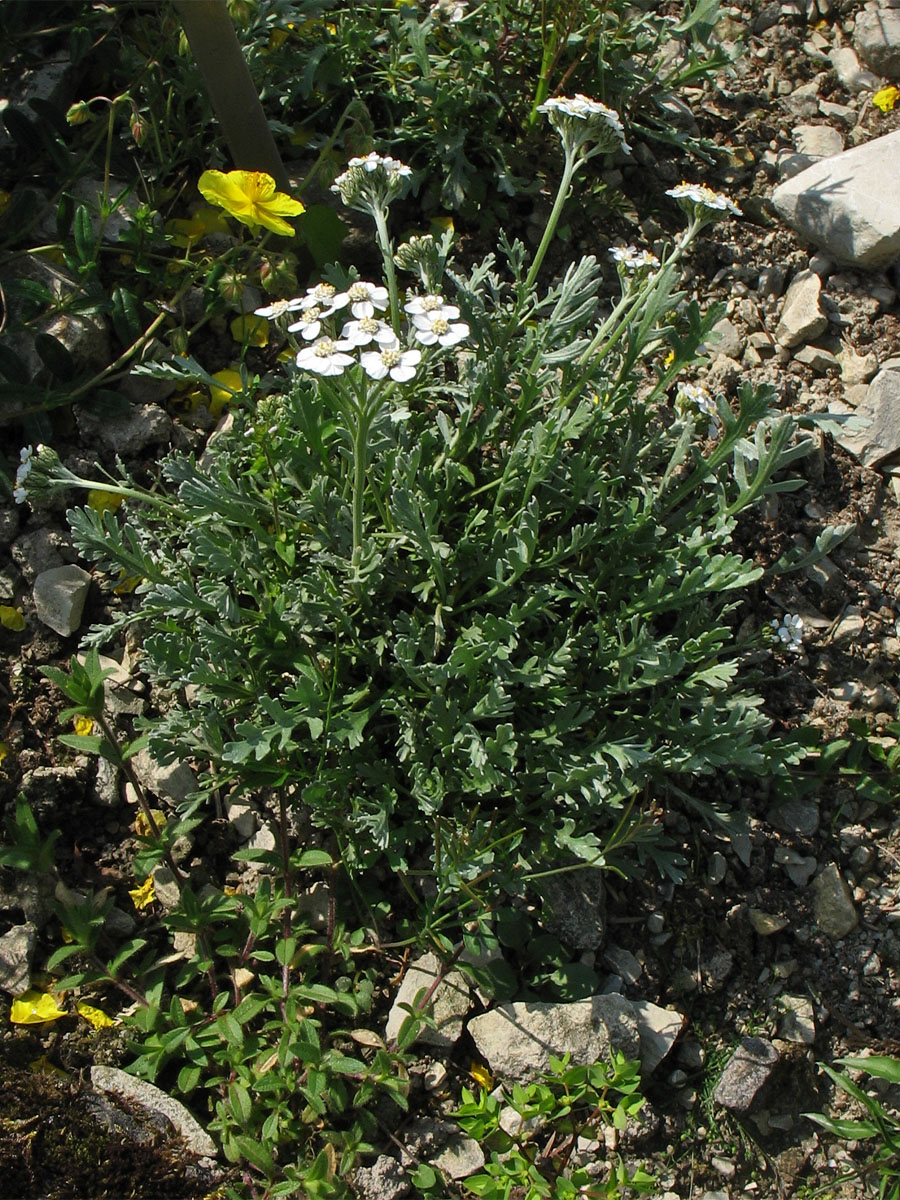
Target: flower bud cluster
column 701, row 203
column 431, row 321
column 585, row 123
column 39, row 468
column 693, row 397
column 369, row 184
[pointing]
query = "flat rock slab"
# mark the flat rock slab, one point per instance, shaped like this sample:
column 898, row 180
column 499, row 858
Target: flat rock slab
column 154, row 1100
column 802, row 317
column 876, row 35
column 880, row 439
column 448, row 1006
column 517, row 1040
column 847, row 204
column 832, row 903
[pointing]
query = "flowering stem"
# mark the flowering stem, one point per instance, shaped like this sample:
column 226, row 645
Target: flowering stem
column 561, row 196
column 390, row 274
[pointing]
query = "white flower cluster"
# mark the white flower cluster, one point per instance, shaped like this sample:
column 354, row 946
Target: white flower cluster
column 698, row 200
column 579, row 120
column 695, row 396
column 632, row 259
column 24, row 470
column 372, row 182
column 432, row 322
column 789, row 630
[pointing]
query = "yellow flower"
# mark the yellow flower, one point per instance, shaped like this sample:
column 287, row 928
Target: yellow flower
column 83, row 725
column 126, row 584
column 34, row 1007
column 440, row 224
column 4, row 750
column 142, row 825
column 94, row 1016
column 144, row 895
column 481, row 1075
column 886, row 98
column 11, row 618
column 204, row 222
column 99, row 501
column 250, row 330
column 220, row 396
column 250, row 197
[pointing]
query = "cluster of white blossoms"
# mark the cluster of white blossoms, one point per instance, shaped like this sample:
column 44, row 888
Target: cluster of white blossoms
column 24, row 470
column 694, row 396
column 371, row 183
column 700, row 201
column 431, row 322
column 579, row 120
column 632, row 259
column 789, row 630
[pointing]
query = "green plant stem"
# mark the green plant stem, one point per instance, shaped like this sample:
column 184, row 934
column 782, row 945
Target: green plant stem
column 561, row 196
column 390, row 274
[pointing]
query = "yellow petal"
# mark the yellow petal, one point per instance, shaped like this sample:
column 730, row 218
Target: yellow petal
column 142, row 825
column 94, row 1016
column 250, row 330
column 11, row 618
column 886, row 98
column 4, row 750
column 481, row 1075
column 220, row 396
column 144, row 895
column 83, row 725
column 126, row 584
column 34, row 1007
column 98, row 500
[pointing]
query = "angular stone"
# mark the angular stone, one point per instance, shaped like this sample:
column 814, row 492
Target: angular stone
column 59, row 597
column 659, row 1029
column 153, row 1100
column 129, row 433
column 876, row 36
column 845, row 204
column 833, row 904
column 726, row 339
column 460, row 1157
column 746, row 1074
column 852, row 75
column 16, row 952
column 817, row 141
column 856, row 368
column 880, row 439
column 448, row 1006
column 173, row 782
column 817, row 359
column 518, row 1039
column 801, row 318
column 799, row 1022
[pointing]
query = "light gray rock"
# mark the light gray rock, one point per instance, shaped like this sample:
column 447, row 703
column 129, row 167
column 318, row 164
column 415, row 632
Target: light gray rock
column 16, row 952
column 856, row 368
column 242, row 819
column 460, row 1157
column 817, row 359
column 798, row 1024
column 850, row 72
column 817, row 141
column 518, row 1039
column 833, row 904
column 880, row 439
column 38, row 551
column 384, row 1180
column 117, row 687
column 801, row 318
column 876, row 37
column 799, row 868
column 726, row 339
column 59, row 597
column 623, row 962
column 153, row 1100
column 796, row 816
column 746, row 1075
column 845, row 204
column 658, row 1029
column 449, row 1005
column 172, row 782
column 129, row 433
column 106, row 784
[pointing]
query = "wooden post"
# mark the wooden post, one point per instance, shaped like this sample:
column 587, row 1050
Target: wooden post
column 218, row 53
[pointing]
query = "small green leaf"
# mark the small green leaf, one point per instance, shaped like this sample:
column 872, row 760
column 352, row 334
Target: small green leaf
column 55, row 356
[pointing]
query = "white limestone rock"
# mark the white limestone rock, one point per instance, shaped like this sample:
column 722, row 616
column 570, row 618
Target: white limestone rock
column 801, row 317
column 846, row 205
column 448, row 1007
column 876, row 36
column 879, row 440
column 59, row 597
